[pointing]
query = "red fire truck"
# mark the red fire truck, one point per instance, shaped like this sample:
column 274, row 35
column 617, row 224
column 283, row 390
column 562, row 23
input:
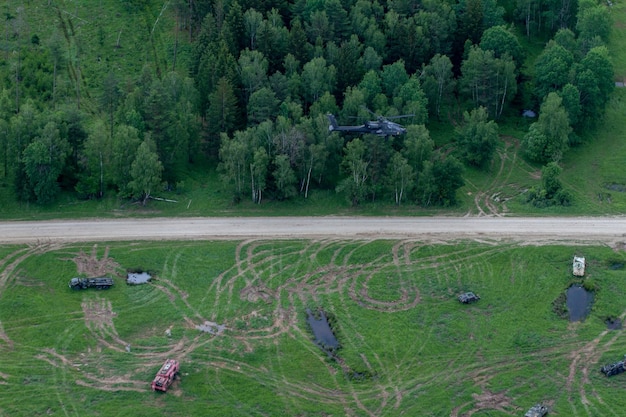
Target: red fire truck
column 166, row 375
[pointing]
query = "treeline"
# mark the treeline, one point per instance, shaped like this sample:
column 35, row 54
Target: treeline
column 258, row 77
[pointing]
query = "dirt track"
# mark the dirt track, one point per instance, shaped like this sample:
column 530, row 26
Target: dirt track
column 609, row 230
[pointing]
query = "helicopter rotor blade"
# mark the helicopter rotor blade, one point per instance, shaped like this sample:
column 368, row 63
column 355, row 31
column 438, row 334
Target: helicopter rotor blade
column 371, row 112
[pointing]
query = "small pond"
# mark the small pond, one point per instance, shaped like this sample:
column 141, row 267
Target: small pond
column 579, row 302
column 322, row 331
column 136, row 278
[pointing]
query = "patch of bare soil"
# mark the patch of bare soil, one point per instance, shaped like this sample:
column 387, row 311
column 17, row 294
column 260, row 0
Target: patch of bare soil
column 91, row 266
column 489, row 400
column 89, row 379
column 254, row 293
column 5, row 338
column 99, row 320
column 586, row 358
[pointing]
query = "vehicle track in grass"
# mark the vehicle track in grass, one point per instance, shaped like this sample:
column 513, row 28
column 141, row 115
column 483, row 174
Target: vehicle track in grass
column 316, row 269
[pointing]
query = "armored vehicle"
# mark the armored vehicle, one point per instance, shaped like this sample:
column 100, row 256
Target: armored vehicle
column 468, row 297
column 537, row 410
column 165, row 376
column 101, row 283
column 614, row 368
column 578, row 266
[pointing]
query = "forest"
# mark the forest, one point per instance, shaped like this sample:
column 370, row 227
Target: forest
column 99, row 99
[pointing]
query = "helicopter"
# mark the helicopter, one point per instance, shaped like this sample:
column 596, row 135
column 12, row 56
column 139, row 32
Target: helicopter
column 382, row 126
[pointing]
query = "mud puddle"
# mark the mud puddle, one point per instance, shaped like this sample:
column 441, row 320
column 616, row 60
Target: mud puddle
column 323, row 333
column 579, row 302
column 136, row 278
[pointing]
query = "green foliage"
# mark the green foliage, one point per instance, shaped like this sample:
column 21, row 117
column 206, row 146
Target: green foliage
column 400, row 177
column 186, row 73
column 94, row 157
column 552, row 191
column 594, row 79
column 477, row 137
column 552, row 69
column 594, row 21
column 233, row 161
column 44, row 159
column 355, row 185
column 501, row 40
column 547, row 139
column 439, row 181
column 222, row 108
column 262, row 105
column 145, row 172
column 438, row 83
column 318, row 78
column 488, row 81
column 284, row 177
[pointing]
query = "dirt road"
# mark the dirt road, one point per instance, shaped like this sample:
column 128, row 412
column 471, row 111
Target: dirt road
column 609, row 230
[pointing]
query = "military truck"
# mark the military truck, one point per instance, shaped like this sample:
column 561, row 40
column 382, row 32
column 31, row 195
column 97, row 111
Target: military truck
column 100, row 283
column 537, row 410
column 468, row 297
column 614, row 368
column 165, row 376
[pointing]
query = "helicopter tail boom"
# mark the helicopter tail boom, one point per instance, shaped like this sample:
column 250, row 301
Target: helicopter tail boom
column 333, row 122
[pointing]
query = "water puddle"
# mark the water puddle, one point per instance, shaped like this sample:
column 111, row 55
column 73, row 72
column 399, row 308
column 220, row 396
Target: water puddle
column 613, row 323
column 579, row 302
column 211, row 327
column 615, row 187
column 136, row 278
column 616, row 265
column 324, row 336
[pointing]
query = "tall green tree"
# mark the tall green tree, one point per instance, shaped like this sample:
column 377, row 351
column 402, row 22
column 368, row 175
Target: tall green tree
column 221, row 114
column 252, row 21
column 262, row 105
column 438, row 181
column 418, row 146
column 355, row 165
column 253, row 68
column 571, row 102
column 124, row 144
column 284, row 177
column 94, row 160
column 258, row 174
column 438, row 82
column 44, row 159
column 318, row 78
column 400, row 177
column 234, row 161
column 594, row 80
column 477, row 138
column 552, row 69
column 547, row 138
column 489, row 82
column 501, row 40
column 145, row 172
column 594, row 21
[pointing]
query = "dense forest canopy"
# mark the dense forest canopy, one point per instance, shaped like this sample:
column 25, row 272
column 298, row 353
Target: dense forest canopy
column 119, row 98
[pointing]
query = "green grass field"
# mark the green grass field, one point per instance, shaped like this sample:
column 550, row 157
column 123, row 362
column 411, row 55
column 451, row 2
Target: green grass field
column 408, row 347
column 415, row 349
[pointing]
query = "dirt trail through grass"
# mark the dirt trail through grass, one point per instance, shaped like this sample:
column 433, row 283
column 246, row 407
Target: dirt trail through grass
column 260, row 299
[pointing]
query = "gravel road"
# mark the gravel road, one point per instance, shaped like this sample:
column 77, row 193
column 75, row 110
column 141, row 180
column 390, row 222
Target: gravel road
column 609, row 230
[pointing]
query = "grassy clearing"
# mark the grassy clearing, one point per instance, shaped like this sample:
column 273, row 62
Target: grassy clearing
column 407, row 344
